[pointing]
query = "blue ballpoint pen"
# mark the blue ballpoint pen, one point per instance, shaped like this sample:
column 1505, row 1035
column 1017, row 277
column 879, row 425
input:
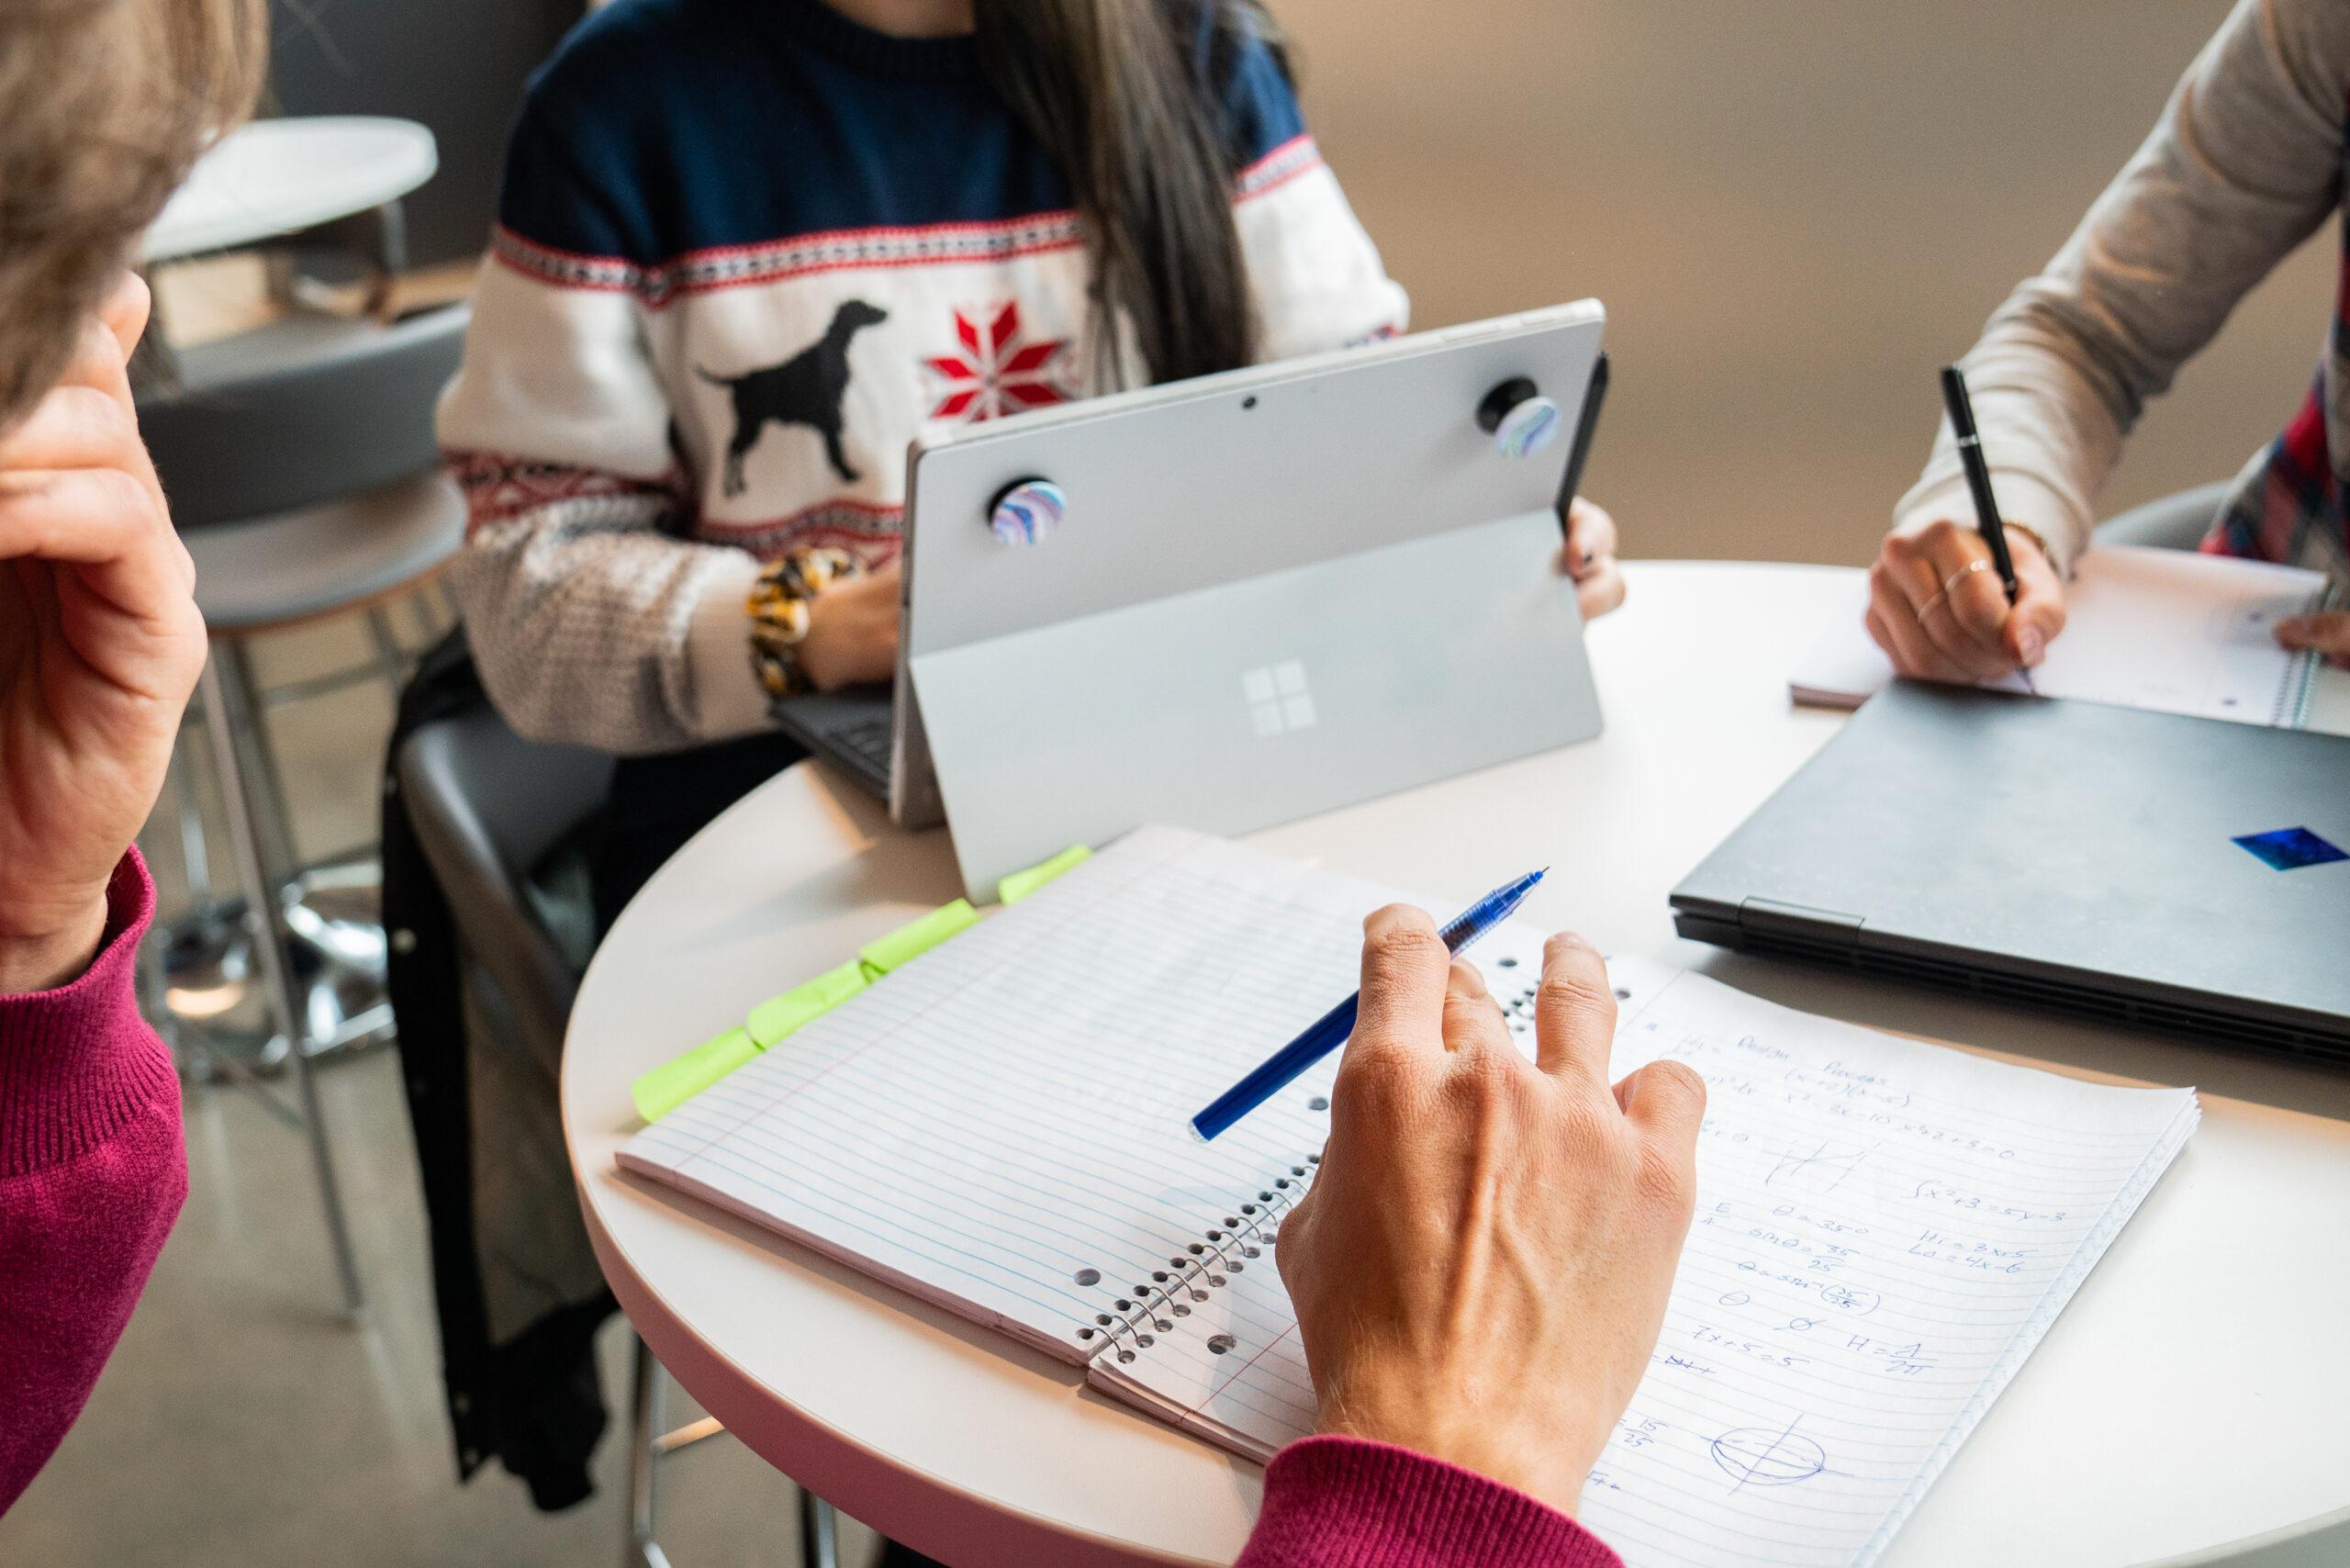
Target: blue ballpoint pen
column 1329, row 1032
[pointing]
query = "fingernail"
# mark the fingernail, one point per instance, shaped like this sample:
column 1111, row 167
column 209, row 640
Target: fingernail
column 2032, row 645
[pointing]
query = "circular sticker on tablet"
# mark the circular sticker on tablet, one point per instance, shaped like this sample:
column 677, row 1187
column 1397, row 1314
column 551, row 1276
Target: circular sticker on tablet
column 1527, row 427
column 1029, row 512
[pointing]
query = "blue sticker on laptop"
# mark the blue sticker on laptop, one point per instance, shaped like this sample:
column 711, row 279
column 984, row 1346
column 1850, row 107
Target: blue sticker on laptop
column 2291, row 848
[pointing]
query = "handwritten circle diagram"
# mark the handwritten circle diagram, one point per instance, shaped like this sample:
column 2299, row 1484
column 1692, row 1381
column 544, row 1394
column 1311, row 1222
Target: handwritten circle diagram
column 1760, row 1456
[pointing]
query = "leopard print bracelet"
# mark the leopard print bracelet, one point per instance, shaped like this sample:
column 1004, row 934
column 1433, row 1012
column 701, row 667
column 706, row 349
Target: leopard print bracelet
column 777, row 606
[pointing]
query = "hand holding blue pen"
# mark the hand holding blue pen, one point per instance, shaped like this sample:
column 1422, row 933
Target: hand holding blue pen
column 1327, row 1032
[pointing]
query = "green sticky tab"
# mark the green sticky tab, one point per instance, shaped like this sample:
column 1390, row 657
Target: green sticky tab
column 1020, row 884
column 779, row 1015
column 673, row 1083
column 911, row 942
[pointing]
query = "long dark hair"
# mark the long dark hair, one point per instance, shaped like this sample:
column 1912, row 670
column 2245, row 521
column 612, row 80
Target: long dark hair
column 1124, row 96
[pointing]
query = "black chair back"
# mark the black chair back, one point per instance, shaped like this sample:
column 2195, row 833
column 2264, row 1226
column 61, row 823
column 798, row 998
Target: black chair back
column 488, row 807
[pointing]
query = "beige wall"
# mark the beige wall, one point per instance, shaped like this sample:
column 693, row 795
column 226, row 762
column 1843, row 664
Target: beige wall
column 1794, row 210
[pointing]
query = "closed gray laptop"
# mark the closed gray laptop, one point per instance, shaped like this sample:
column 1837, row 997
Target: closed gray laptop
column 1268, row 593
column 2165, row 872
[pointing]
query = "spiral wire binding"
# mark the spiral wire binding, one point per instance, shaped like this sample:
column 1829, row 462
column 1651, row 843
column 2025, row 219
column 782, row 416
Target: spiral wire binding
column 1151, row 1309
column 1154, row 1307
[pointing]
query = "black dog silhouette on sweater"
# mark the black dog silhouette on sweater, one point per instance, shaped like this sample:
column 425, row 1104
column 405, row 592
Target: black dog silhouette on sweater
column 805, row 389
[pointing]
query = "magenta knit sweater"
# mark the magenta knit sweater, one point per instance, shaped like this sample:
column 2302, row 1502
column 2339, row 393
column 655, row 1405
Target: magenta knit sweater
column 92, row 1172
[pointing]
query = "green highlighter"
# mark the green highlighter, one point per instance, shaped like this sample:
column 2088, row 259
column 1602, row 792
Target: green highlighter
column 777, row 1016
column 673, row 1083
column 910, row 941
column 1020, row 884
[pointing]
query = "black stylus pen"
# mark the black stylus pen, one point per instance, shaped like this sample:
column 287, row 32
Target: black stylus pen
column 1978, row 476
column 1987, row 519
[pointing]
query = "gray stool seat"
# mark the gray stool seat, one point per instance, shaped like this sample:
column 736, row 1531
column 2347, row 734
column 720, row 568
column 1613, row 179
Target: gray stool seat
column 266, row 572
column 303, row 410
column 2176, row 522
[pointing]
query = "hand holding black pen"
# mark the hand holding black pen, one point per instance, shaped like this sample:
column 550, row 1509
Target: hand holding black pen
column 1965, row 601
column 1987, row 519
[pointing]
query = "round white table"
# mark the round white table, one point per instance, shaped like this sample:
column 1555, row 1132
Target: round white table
column 2191, row 1405
column 278, row 176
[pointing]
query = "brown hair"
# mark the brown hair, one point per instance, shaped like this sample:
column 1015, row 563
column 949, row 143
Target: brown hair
column 104, row 104
column 1120, row 94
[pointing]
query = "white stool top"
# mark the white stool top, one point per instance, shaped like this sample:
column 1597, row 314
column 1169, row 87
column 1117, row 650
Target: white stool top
column 275, row 177
column 2194, row 1398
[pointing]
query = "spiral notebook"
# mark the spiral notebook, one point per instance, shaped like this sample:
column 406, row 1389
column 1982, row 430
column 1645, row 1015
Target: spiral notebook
column 2170, row 630
column 1884, row 1229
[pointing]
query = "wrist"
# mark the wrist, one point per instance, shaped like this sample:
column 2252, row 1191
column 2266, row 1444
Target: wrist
column 791, row 647
column 1537, row 1458
column 820, row 650
column 55, row 954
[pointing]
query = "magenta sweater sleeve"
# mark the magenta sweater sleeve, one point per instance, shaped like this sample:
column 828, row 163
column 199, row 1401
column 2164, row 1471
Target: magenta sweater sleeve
column 1344, row 1503
column 92, row 1172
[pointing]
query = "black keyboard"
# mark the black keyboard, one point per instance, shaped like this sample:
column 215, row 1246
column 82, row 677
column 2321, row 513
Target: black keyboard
column 868, row 741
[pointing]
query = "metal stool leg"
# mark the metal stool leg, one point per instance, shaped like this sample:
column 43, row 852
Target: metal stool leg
column 819, row 1532
column 424, row 610
column 260, row 900
column 152, row 1007
column 204, row 952
column 641, row 1550
column 391, row 660
column 195, row 856
column 648, row 1446
column 264, row 784
column 331, row 918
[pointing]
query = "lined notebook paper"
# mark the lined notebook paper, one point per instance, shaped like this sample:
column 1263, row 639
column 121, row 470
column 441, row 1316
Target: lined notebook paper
column 1884, row 1229
column 2168, row 630
column 999, row 1126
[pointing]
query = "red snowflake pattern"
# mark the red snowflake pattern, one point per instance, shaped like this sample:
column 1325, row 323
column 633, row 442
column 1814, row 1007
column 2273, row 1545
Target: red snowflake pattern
column 997, row 374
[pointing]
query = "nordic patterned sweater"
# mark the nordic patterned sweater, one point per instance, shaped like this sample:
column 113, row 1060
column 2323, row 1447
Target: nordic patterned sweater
column 745, row 249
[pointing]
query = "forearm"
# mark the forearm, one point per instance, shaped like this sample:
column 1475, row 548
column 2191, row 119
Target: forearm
column 2051, row 437
column 92, row 1172
column 591, row 626
column 1342, row 1502
column 2244, row 165
column 590, row 621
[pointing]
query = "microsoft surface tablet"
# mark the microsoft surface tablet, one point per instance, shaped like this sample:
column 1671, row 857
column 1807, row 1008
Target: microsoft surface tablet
column 1247, row 598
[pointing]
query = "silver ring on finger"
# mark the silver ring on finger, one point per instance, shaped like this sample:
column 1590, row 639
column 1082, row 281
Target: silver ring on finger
column 1958, row 576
